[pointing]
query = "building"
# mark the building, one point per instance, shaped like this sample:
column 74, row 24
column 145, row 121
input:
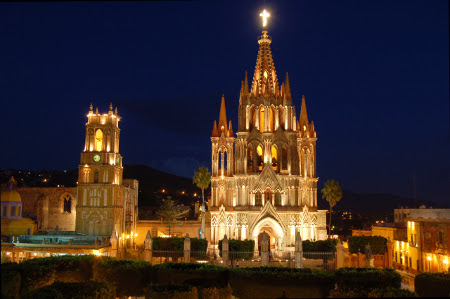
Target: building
column 424, row 243
column 12, row 210
column 264, row 179
column 106, row 203
column 81, row 220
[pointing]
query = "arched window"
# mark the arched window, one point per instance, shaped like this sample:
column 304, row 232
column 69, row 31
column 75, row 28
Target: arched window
column 96, row 176
column 261, row 119
column 249, row 159
column 278, row 199
column 98, row 140
column 284, row 158
column 268, row 196
column 12, row 211
column 275, row 163
column 259, row 158
column 258, row 199
column 219, row 166
column 67, row 204
column 225, row 160
column 253, row 115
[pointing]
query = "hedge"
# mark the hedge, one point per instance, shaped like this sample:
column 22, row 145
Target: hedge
column 177, row 244
column 180, row 273
column 367, row 278
column 374, row 293
column 88, row 289
column 245, row 248
column 129, row 277
column 319, row 246
column 10, row 281
column 273, row 282
column 358, row 244
column 429, row 284
column 170, row 292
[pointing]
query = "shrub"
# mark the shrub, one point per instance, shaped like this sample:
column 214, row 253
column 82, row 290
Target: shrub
column 244, row 248
column 10, row 281
column 37, row 273
column 367, row 278
column 179, row 273
column 273, row 282
column 375, row 293
column 170, row 292
column 429, row 284
column 177, row 244
column 129, row 277
column 88, row 289
column 320, row 245
column 358, row 244
column 70, row 268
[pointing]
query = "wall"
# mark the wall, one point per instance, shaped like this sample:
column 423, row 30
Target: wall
column 46, row 205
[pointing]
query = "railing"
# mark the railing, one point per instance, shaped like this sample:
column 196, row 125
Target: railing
column 166, row 256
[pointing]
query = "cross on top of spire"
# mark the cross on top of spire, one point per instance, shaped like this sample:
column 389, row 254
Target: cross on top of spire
column 264, row 16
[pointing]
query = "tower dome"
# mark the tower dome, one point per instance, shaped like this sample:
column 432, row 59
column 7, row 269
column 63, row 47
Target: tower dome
column 11, row 195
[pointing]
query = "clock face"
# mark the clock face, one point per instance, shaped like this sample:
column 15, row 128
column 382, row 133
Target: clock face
column 96, row 158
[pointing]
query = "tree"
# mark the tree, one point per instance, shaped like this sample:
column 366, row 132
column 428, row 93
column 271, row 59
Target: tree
column 169, row 212
column 332, row 193
column 202, row 178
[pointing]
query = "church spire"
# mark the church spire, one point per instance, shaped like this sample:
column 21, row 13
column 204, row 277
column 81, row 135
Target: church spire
column 265, row 68
column 223, row 116
column 304, row 124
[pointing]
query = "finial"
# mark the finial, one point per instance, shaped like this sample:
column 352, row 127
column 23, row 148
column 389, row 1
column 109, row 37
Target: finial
column 96, row 110
column 115, row 111
column 110, row 106
column 264, row 16
column 91, row 107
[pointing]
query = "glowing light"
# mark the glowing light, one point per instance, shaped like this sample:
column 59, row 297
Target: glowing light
column 195, row 194
column 446, row 262
column 128, row 236
column 265, row 74
column 135, row 235
column 264, row 16
column 429, row 258
column 163, row 190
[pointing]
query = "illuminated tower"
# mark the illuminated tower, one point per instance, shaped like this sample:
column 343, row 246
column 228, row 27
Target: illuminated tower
column 104, row 204
column 270, row 182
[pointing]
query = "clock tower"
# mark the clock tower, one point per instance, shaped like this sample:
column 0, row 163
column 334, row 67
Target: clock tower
column 99, row 191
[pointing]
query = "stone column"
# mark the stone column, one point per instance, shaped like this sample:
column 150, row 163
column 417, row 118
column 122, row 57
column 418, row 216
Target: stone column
column 388, row 255
column 264, row 249
column 339, row 255
column 298, row 253
column 187, row 249
column 225, row 251
column 148, row 242
column 256, row 252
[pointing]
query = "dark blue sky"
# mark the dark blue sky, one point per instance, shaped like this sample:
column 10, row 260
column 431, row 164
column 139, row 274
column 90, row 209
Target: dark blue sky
column 375, row 75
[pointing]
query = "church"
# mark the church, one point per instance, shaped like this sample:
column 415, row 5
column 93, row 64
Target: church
column 264, row 178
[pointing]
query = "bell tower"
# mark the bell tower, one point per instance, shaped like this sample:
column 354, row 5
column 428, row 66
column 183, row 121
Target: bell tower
column 100, row 175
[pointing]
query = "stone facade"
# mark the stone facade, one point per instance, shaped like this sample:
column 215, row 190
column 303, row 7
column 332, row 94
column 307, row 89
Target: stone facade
column 50, row 206
column 106, row 202
column 265, row 178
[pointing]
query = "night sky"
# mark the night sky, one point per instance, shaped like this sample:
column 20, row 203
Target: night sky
column 375, row 75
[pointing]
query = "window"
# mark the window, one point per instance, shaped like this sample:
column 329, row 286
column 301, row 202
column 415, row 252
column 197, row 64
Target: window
column 410, row 262
column 278, row 199
column 13, row 211
column 268, row 196
column 396, row 257
column 261, row 119
column 98, row 140
column 4, row 211
column 249, row 159
column 28, row 231
column 67, row 204
column 19, row 212
column 258, row 199
column 96, row 176
column 275, row 165
column 259, row 160
column 284, row 160
column 441, row 238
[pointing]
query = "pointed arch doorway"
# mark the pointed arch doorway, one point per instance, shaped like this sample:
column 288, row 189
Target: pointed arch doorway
column 275, row 233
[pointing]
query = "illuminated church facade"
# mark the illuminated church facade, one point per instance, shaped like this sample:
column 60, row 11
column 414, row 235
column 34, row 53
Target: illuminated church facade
column 264, row 178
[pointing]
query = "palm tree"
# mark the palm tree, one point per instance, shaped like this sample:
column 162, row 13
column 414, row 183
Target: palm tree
column 332, row 192
column 202, row 178
column 169, row 212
